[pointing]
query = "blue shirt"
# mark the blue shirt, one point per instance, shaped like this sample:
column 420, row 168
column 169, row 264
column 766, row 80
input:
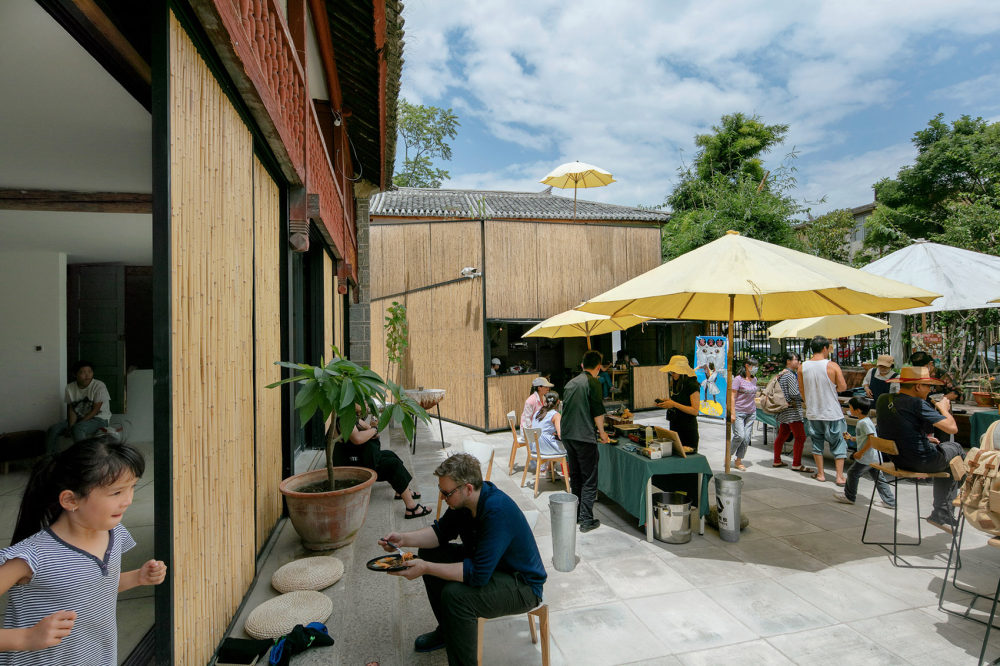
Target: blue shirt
column 497, row 538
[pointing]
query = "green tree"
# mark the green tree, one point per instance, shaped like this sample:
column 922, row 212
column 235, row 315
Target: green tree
column 727, row 187
column 827, row 235
column 426, row 132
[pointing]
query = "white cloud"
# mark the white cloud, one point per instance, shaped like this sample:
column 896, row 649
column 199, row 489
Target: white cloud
column 847, row 182
column 977, row 93
column 626, row 87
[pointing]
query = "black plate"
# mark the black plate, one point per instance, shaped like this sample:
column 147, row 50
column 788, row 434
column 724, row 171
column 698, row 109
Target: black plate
column 371, row 564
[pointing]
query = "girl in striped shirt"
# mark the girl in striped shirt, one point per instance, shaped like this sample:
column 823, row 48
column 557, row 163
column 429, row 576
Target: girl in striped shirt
column 63, row 568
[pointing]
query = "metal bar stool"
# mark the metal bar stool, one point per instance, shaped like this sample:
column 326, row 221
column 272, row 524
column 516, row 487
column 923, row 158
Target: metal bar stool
column 889, row 447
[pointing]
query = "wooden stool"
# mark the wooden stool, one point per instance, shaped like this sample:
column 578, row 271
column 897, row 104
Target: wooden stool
column 531, row 435
column 542, row 613
column 888, row 446
column 518, row 442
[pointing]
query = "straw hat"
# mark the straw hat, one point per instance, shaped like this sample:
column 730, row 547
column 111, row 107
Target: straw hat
column 912, row 375
column 276, row 617
column 885, row 361
column 308, row 573
column 679, row 364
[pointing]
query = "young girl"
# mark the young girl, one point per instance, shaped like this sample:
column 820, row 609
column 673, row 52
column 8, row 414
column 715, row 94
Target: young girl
column 63, row 568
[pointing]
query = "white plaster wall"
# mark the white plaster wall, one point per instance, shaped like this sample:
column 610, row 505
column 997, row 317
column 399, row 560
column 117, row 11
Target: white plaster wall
column 32, row 313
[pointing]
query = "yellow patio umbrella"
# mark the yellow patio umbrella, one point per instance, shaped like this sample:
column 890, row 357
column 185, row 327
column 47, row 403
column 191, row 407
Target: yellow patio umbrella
column 575, row 175
column 740, row 278
column 831, row 326
column 574, row 324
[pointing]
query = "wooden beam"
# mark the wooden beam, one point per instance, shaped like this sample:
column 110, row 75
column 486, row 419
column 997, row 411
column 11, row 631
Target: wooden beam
column 76, row 202
column 324, row 40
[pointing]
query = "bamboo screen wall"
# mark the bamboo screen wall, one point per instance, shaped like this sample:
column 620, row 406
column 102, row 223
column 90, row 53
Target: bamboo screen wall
column 329, row 317
column 506, row 393
column 211, row 287
column 578, row 261
column 648, row 384
column 446, row 346
column 409, row 256
column 267, row 345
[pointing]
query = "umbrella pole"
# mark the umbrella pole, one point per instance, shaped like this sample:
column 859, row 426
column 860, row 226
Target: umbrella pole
column 729, row 381
column 574, row 199
column 588, row 342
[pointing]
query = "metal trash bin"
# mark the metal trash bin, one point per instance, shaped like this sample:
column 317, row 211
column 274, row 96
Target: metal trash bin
column 727, row 499
column 672, row 517
column 562, row 509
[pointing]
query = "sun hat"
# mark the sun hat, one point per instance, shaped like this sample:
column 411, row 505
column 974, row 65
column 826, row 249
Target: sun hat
column 541, row 381
column 885, row 361
column 494, row 361
column 308, row 573
column 680, row 365
column 911, row 375
column 276, row 617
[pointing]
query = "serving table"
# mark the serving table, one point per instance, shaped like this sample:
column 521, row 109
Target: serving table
column 627, row 478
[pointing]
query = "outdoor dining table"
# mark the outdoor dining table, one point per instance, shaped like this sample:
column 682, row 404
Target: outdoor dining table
column 627, row 478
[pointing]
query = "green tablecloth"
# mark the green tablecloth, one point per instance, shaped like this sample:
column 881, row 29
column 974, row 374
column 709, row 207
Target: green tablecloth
column 622, row 476
column 978, row 423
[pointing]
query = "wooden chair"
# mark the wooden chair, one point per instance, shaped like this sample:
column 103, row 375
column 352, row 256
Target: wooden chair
column 482, row 452
column 542, row 613
column 518, row 442
column 531, row 435
column 887, row 446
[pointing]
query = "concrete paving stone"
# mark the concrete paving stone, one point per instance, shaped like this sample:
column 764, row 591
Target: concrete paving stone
column 605, row 542
column 915, row 587
column 836, row 645
column 639, row 575
column 688, row 621
column 775, row 557
column 135, row 619
column 751, row 653
column 776, row 522
column 14, row 481
column 974, row 629
column 919, row 637
column 831, row 548
column 828, row 516
column 507, row 642
column 767, row 608
column 668, row 660
column 777, row 498
column 597, row 635
column 840, row 596
column 582, row 586
column 722, row 569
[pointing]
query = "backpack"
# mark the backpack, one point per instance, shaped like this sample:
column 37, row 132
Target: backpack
column 773, row 400
column 980, row 494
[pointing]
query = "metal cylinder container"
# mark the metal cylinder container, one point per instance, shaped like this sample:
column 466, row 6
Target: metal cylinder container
column 562, row 510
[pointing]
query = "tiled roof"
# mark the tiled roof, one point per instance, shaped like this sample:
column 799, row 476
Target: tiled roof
column 427, row 202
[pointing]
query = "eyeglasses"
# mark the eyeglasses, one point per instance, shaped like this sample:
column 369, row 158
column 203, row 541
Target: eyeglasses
column 448, row 494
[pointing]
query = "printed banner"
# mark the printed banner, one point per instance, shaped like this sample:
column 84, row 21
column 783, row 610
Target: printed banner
column 710, row 353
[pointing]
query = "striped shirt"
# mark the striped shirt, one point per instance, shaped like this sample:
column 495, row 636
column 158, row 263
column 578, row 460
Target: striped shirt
column 67, row 578
column 789, row 383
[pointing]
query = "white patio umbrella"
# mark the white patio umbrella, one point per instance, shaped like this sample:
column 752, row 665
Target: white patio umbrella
column 753, row 280
column 831, row 326
column 576, row 175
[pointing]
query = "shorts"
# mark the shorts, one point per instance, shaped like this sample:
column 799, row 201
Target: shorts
column 830, row 432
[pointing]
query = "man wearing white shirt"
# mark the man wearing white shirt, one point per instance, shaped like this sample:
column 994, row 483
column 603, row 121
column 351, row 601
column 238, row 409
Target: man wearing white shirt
column 88, row 407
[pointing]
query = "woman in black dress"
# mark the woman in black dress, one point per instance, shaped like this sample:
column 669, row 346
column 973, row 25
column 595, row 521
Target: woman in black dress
column 684, row 402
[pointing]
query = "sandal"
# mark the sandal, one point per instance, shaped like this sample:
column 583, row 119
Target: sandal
column 815, row 475
column 780, row 464
column 801, row 468
column 741, row 467
column 417, row 511
column 416, row 495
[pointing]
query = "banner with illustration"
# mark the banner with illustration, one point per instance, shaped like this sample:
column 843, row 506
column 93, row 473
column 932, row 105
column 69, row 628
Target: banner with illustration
column 710, row 353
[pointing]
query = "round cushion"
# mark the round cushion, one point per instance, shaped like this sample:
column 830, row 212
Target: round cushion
column 276, row 617
column 308, row 573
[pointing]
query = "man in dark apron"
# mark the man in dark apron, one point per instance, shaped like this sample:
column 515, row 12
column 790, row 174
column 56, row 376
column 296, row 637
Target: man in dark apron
column 876, row 382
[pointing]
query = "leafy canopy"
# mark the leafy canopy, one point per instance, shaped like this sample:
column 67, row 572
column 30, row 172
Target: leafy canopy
column 727, row 187
column 826, row 236
column 425, row 132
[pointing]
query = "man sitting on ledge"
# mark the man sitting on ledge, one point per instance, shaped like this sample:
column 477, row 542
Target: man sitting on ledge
column 495, row 571
column 907, row 418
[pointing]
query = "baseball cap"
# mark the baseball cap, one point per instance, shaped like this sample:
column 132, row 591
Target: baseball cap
column 541, row 381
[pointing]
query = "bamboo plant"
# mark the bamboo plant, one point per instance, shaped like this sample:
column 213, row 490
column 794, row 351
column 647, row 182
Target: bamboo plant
column 339, row 387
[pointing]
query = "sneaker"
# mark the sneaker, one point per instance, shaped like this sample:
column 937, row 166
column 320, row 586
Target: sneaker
column 590, row 525
column 884, row 505
column 944, row 524
column 841, row 497
column 432, row 640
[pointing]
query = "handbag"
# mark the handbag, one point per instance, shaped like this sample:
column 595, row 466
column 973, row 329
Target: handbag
column 773, row 400
column 980, row 492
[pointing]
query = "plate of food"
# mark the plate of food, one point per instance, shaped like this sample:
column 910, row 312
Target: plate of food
column 390, row 562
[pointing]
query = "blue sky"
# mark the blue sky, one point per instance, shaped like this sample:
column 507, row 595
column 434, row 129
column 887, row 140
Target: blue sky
column 627, row 85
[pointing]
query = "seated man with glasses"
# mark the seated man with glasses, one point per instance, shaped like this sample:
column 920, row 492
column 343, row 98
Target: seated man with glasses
column 495, row 570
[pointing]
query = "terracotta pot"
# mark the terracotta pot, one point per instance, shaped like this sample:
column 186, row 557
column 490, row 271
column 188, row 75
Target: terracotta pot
column 982, row 398
column 333, row 518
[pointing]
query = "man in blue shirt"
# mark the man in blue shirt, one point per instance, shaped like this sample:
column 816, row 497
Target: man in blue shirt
column 495, row 571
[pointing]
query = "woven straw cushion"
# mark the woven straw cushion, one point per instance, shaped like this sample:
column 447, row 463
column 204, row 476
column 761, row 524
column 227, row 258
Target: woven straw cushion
column 308, row 573
column 279, row 616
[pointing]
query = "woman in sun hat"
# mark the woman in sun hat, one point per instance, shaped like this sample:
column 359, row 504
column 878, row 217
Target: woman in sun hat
column 684, row 402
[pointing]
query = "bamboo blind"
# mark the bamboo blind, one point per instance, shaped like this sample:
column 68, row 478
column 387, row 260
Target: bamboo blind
column 446, row 347
column 329, row 317
column 267, row 337
column 211, row 287
column 338, row 317
column 535, row 269
column 648, row 385
column 506, row 393
column 410, row 256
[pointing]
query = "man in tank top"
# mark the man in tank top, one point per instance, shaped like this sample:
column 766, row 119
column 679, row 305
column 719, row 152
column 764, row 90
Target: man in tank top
column 820, row 379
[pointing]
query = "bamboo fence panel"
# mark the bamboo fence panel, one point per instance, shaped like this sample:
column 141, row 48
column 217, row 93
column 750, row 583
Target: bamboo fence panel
column 648, row 385
column 513, row 270
column 211, row 287
column 453, row 246
column 267, row 337
column 506, row 393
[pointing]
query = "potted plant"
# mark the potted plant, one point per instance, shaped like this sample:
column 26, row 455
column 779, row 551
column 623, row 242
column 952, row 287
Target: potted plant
column 328, row 507
column 987, row 395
